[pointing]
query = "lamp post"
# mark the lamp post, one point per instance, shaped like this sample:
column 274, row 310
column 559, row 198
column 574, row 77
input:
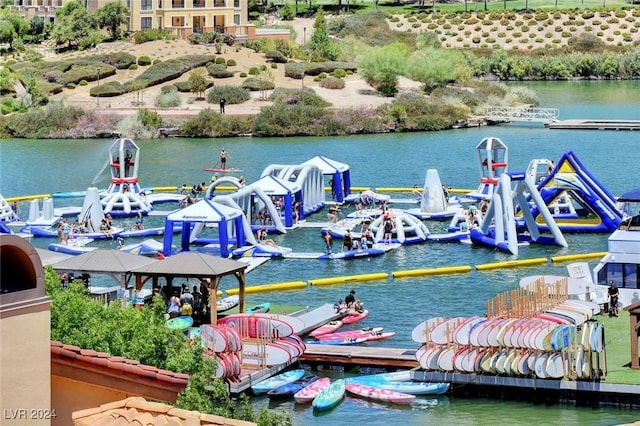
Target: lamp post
column 98, row 89
column 304, row 37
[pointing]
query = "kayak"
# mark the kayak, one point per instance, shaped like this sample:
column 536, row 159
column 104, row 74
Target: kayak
column 223, row 305
column 277, row 381
column 327, row 328
column 330, row 396
column 346, row 341
column 362, row 332
column 261, row 308
column 379, row 394
column 355, row 317
column 290, row 389
column 380, row 335
column 309, row 393
column 179, row 323
column 414, row 388
column 395, row 376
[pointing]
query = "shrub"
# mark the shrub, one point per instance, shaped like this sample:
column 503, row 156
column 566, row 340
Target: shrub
column 274, row 66
column 332, row 83
column 307, row 97
column 133, row 67
column 276, row 56
column 120, row 60
column 144, row 60
column 71, row 86
column 231, row 94
column 168, row 100
column 219, row 71
column 185, row 86
column 339, row 73
column 231, row 63
column 53, row 75
column 256, row 84
column 149, row 118
column 168, row 89
column 220, row 60
column 152, row 34
column 83, row 83
column 243, row 74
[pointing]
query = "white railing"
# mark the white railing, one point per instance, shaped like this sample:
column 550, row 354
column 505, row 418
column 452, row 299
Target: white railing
column 522, row 113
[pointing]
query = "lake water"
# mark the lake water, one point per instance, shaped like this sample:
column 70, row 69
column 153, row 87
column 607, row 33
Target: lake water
column 36, row 166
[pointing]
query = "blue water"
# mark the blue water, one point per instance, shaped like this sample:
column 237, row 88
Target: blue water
column 33, row 167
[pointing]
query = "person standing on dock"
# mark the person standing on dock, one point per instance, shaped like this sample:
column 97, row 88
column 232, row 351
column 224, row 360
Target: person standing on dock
column 613, row 299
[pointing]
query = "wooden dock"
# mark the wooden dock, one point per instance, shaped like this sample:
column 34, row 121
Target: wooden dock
column 376, row 356
column 594, row 125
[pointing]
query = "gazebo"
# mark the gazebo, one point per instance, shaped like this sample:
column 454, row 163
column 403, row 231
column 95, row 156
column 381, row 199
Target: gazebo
column 208, row 268
column 114, row 263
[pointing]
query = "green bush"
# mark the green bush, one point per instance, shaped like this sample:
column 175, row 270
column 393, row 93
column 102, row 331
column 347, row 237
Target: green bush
column 149, row 118
column 152, row 34
column 185, row 86
column 219, row 71
column 168, row 100
column 120, row 60
column 144, row 61
column 159, row 73
column 308, row 97
column 339, row 73
column 276, row 56
column 274, row 66
column 71, row 86
column 254, row 71
column 243, row 74
column 133, row 66
column 83, row 83
column 256, row 84
column 220, row 60
column 231, row 63
column 171, row 88
column 231, row 94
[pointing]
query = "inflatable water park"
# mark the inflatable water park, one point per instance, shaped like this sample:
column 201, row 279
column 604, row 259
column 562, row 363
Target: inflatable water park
column 508, row 210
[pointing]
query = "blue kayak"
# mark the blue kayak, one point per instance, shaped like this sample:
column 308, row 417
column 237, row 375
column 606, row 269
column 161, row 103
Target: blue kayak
column 277, row 381
column 290, row 389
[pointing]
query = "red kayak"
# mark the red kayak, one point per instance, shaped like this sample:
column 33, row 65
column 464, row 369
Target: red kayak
column 379, row 394
column 355, row 317
column 308, row 394
column 363, row 332
column 379, row 335
column 329, row 327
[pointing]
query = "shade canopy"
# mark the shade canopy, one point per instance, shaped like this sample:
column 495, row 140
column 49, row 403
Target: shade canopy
column 205, row 211
column 632, row 196
column 272, row 185
column 327, row 165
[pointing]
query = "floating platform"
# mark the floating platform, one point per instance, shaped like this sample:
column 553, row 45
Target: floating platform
column 361, row 355
column 317, row 317
column 594, row 125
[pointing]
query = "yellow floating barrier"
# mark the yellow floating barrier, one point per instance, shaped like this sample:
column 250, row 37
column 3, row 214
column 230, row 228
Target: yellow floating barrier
column 566, row 257
column 349, row 279
column 391, row 189
column 434, row 271
column 164, row 188
column 27, row 197
column 291, row 285
column 512, row 263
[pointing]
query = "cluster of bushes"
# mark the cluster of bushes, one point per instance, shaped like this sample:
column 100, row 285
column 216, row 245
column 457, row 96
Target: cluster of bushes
column 231, row 94
column 212, row 124
column 219, row 71
column 211, row 38
column 157, row 73
column 298, row 70
column 152, row 35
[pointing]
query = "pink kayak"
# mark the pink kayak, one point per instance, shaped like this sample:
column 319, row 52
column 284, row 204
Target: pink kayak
column 329, row 327
column 355, row 317
column 379, row 394
column 380, row 335
column 341, row 335
column 309, row 393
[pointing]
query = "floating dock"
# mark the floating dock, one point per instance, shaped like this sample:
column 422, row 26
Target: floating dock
column 361, row 355
column 594, row 125
column 317, row 317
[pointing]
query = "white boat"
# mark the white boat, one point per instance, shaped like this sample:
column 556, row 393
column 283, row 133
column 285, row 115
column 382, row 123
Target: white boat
column 622, row 261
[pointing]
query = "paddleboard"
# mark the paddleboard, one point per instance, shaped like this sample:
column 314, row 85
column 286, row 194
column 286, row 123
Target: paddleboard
column 296, row 323
column 379, row 335
column 254, row 326
column 445, row 359
column 327, row 328
column 421, row 332
column 341, row 335
column 355, row 317
column 219, row 170
column 442, row 333
column 254, row 354
column 554, row 367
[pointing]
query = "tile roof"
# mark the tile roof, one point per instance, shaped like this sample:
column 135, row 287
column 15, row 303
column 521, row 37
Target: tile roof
column 140, row 412
column 116, row 364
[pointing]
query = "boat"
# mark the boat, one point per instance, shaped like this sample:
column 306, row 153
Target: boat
column 378, row 394
column 395, row 376
column 226, row 303
column 379, row 335
column 414, row 388
column 362, row 332
column 309, row 393
column 356, row 316
column 261, row 308
column 277, row 381
column 327, row 328
column 345, row 341
column 288, row 390
column 330, row 396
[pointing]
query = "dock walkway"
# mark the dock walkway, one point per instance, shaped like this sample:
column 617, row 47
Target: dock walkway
column 594, row 125
column 361, row 355
column 317, row 317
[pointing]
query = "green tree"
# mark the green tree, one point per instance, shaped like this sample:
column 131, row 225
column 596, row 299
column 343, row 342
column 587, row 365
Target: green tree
column 36, row 29
column 436, row 67
column 75, row 24
column 12, row 27
column 381, row 67
column 321, row 46
column 112, row 16
column 198, row 82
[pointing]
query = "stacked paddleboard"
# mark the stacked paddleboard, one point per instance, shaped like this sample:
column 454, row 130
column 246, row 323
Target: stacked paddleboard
column 225, row 342
column 547, row 345
column 267, row 339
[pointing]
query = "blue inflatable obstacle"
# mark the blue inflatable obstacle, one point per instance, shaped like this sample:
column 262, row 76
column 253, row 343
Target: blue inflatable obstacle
column 577, row 200
column 498, row 227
